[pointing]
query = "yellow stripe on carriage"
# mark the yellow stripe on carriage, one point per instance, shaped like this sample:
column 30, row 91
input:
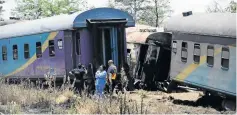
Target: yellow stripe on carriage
column 188, row 70
column 51, row 36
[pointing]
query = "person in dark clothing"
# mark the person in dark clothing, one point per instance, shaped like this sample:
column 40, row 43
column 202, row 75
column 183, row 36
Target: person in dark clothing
column 90, row 80
column 79, row 73
column 149, row 70
column 128, row 80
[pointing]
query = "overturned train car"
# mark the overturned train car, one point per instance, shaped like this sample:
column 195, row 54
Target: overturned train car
column 204, row 52
column 30, row 49
column 153, row 62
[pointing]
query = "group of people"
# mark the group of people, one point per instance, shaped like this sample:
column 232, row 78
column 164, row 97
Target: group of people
column 95, row 83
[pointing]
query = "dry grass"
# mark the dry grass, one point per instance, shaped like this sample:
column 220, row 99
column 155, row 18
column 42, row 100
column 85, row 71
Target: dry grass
column 25, row 98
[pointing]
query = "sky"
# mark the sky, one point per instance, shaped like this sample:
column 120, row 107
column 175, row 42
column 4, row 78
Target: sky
column 178, row 6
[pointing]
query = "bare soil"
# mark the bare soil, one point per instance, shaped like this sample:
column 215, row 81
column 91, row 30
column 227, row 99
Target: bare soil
column 189, row 102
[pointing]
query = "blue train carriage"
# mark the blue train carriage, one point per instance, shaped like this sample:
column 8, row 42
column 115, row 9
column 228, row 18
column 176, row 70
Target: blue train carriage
column 204, row 52
column 30, row 49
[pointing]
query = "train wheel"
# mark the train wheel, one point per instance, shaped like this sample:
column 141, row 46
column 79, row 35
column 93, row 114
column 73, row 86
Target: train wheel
column 170, row 86
column 228, row 105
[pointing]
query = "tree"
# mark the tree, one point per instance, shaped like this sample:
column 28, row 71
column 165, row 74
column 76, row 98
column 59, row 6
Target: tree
column 35, row 9
column 133, row 7
column 111, row 4
column 156, row 12
column 232, row 7
column 150, row 12
column 1, row 8
column 216, row 7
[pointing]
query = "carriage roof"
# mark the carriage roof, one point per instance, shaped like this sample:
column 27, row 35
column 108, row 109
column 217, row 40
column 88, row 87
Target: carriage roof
column 62, row 22
column 213, row 24
column 6, row 22
column 135, row 35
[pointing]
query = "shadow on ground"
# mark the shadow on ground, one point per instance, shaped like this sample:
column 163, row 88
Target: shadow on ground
column 204, row 101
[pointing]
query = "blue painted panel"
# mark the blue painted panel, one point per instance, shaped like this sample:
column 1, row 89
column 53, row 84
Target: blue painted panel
column 216, row 78
column 103, row 13
column 114, row 46
column 10, row 65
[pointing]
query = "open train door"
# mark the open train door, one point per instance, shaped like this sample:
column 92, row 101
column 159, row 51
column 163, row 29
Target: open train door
column 109, row 42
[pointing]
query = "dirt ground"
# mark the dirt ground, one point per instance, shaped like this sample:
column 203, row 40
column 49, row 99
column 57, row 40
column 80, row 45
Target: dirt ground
column 189, row 102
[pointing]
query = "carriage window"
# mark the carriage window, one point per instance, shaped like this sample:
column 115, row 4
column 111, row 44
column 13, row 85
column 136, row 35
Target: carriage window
column 210, row 55
column 15, row 52
column 51, row 48
column 225, row 56
column 174, row 46
column 184, row 52
column 38, row 50
column 78, row 50
column 26, row 51
column 128, row 50
column 60, row 44
column 4, row 53
column 196, row 53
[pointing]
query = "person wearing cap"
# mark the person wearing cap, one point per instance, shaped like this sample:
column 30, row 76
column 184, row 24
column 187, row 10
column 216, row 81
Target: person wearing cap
column 79, row 73
column 112, row 74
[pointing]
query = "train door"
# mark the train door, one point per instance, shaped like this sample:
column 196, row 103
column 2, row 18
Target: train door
column 108, row 41
column 109, row 48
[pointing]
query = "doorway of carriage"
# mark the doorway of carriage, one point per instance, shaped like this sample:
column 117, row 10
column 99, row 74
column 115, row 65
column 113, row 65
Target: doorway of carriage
column 108, row 40
column 108, row 43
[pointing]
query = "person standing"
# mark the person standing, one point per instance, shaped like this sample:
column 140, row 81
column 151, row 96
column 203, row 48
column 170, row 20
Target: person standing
column 149, row 70
column 90, row 80
column 79, row 73
column 112, row 74
column 100, row 80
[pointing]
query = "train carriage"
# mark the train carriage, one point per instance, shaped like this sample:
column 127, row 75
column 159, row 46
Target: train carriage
column 153, row 61
column 29, row 49
column 204, row 52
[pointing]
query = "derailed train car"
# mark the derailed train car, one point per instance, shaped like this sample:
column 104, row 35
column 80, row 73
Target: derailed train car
column 204, row 53
column 153, row 61
column 134, row 37
column 195, row 50
column 30, row 49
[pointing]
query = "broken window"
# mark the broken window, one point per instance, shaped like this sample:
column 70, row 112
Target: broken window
column 196, row 53
column 78, row 50
column 184, row 52
column 51, row 48
column 26, row 51
column 38, row 50
column 15, row 52
column 225, row 56
column 4, row 53
column 128, row 50
column 210, row 55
